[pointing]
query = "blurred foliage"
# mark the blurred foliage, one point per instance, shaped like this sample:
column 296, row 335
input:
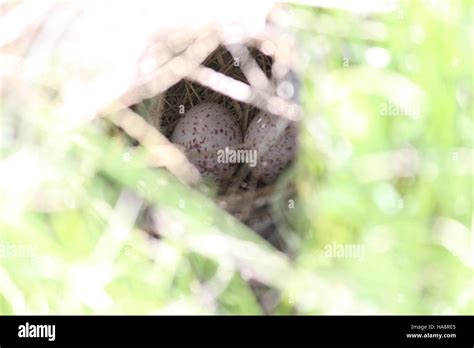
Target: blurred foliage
column 398, row 187
column 407, row 223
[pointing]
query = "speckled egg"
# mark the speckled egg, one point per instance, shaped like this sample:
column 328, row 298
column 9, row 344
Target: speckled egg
column 274, row 152
column 203, row 131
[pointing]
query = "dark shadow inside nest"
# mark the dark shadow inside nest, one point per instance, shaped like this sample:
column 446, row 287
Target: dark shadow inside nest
column 187, row 93
column 243, row 196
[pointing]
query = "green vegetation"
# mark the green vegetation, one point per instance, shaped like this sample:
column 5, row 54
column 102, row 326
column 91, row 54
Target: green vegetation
column 383, row 219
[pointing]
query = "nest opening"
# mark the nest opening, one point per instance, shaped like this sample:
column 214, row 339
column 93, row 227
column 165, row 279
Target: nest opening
column 243, row 196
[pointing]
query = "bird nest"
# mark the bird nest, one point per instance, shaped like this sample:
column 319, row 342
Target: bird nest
column 261, row 206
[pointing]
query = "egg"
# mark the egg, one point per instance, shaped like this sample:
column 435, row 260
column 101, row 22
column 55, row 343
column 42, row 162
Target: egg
column 274, row 152
column 203, row 131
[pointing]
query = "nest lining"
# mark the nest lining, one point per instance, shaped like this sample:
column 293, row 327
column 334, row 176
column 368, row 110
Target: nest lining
column 188, row 93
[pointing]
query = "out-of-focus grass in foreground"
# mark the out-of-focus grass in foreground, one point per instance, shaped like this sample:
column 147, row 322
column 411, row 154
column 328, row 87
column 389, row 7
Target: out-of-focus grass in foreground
column 383, row 223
